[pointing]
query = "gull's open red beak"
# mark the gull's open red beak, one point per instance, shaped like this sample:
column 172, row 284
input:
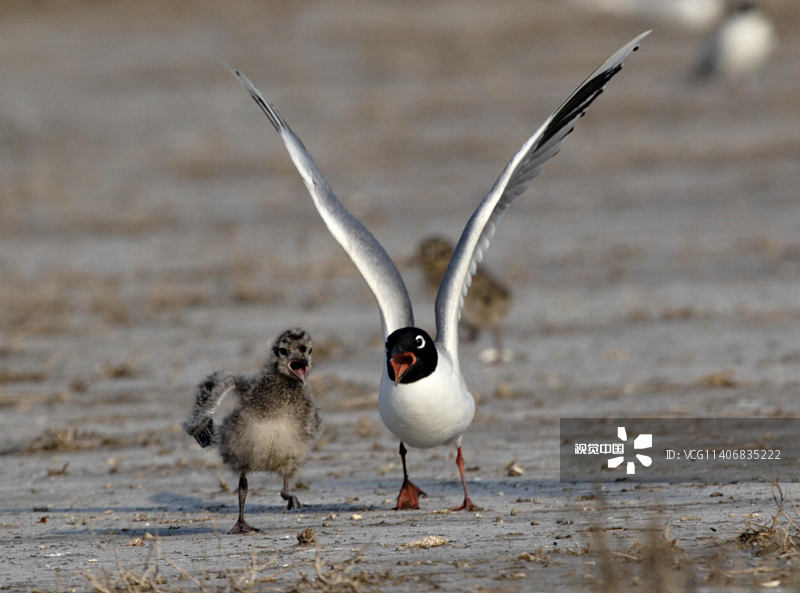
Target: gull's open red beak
column 401, row 362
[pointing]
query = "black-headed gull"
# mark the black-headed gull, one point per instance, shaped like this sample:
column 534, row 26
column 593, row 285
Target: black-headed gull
column 423, row 399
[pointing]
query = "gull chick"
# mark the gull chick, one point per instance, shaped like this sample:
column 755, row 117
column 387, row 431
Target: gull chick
column 274, row 423
column 424, row 400
column 488, row 301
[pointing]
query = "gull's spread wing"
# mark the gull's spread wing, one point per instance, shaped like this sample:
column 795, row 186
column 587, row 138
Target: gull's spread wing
column 367, row 254
column 513, row 181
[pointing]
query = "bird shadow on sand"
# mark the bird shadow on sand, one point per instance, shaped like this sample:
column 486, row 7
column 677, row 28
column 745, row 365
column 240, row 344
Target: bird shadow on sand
column 145, row 532
column 182, row 503
column 169, row 502
column 488, row 489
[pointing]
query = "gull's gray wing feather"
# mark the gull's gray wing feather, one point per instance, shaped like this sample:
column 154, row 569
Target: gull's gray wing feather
column 513, row 181
column 367, row 254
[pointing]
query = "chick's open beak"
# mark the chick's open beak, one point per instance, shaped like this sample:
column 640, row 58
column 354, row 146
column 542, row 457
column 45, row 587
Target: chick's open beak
column 299, row 366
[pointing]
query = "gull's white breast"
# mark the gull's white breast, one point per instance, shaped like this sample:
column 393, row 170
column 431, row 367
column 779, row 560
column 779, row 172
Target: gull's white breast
column 435, row 410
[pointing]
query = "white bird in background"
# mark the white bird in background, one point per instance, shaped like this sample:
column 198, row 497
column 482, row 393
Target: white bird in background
column 739, row 47
column 698, row 15
column 423, row 399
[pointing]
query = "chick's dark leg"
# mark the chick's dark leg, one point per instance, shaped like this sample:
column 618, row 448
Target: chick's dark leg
column 241, row 525
column 409, row 493
column 291, row 499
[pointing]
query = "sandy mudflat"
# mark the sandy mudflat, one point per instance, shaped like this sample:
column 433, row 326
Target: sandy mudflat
column 152, row 229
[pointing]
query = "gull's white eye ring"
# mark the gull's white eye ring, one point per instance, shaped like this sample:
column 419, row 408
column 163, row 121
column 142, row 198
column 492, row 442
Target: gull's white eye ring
column 419, row 341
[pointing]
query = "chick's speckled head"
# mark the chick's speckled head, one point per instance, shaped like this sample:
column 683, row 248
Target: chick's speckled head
column 434, row 251
column 291, row 353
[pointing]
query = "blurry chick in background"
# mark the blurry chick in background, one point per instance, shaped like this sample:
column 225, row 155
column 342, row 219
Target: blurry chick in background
column 488, row 300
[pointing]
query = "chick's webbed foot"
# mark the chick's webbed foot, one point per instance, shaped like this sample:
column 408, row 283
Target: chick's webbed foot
column 292, row 502
column 243, row 527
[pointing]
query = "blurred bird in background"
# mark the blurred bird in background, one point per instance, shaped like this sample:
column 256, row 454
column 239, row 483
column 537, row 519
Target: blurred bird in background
column 738, row 47
column 487, row 303
column 696, row 15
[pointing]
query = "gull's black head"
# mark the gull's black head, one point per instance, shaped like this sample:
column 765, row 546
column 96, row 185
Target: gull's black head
column 291, row 354
column 410, row 355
